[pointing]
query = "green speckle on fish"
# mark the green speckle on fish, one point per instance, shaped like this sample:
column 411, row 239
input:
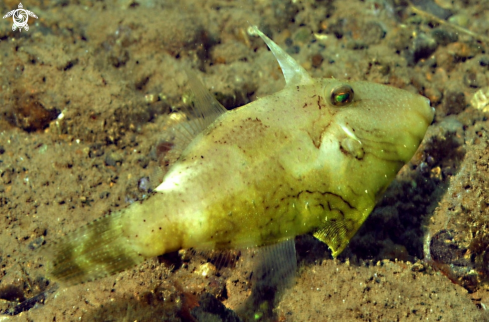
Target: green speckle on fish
column 313, row 157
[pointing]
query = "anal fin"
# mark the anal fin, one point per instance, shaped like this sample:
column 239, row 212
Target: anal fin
column 275, row 270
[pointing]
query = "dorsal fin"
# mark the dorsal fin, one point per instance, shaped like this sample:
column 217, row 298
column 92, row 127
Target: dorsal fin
column 204, row 110
column 206, row 107
column 294, row 73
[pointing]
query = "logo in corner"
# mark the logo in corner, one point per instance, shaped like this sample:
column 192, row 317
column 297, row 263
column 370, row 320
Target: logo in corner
column 20, row 17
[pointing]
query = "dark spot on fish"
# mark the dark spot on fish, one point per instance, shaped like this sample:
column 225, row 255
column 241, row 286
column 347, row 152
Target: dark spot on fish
column 343, row 151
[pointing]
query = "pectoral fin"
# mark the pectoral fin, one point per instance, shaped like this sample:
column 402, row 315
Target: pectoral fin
column 335, row 235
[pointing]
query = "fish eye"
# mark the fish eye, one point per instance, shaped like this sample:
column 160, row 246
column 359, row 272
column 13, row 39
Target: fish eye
column 342, row 95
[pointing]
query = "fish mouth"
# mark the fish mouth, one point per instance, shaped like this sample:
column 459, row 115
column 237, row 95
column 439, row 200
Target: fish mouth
column 398, row 141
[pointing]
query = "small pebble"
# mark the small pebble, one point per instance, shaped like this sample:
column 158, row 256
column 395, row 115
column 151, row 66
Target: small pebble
column 433, row 94
column 96, row 150
column 302, row 35
column 36, row 243
column 418, row 267
column 7, row 176
column 293, row 50
column 453, row 102
column 130, row 197
column 144, row 184
column 460, row 19
column 113, row 158
column 484, row 61
column 423, row 47
column 143, row 162
column 445, row 60
column 460, row 49
column 444, row 37
column 356, row 45
column 30, row 115
column 206, row 270
column 373, row 33
column 474, row 79
column 317, row 60
column 104, row 194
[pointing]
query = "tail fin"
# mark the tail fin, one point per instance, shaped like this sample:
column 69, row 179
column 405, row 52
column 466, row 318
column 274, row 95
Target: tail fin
column 91, row 252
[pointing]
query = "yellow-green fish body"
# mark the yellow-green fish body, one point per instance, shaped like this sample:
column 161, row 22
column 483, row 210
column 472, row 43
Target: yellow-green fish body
column 313, row 157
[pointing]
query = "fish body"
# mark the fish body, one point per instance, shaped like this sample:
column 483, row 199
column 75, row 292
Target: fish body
column 313, row 157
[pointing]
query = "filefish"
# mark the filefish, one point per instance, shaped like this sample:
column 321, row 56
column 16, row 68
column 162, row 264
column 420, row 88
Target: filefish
column 312, row 158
